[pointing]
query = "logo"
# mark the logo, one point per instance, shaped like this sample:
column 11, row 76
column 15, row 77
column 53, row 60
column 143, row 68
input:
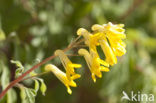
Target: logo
column 137, row 97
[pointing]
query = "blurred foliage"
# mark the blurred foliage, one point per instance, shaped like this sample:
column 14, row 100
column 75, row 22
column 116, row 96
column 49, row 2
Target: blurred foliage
column 30, row 30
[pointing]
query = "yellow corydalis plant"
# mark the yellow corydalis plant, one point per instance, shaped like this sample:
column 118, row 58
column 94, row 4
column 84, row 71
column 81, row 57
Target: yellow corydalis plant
column 108, row 37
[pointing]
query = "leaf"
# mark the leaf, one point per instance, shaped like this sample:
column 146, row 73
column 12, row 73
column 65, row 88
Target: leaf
column 11, row 96
column 43, row 87
column 28, row 95
column 18, row 72
column 2, row 35
column 5, row 79
column 36, row 86
column 18, row 63
column 22, row 93
column 20, row 68
column 33, row 92
column 5, row 76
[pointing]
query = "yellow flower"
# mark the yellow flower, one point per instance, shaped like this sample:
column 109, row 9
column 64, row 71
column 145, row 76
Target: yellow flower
column 118, row 47
column 115, row 34
column 90, row 40
column 61, row 76
column 68, row 65
column 85, row 34
column 95, row 64
column 110, row 56
column 110, row 39
column 115, row 31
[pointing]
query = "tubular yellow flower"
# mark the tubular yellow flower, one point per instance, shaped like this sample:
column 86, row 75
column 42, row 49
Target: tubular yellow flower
column 68, row 65
column 90, row 40
column 97, row 28
column 110, row 56
column 113, row 35
column 61, row 76
column 95, row 64
column 115, row 31
column 118, row 47
column 85, row 34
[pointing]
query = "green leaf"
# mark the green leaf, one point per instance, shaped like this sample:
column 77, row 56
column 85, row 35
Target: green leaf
column 5, row 79
column 5, row 76
column 18, row 63
column 28, row 95
column 36, row 86
column 33, row 92
column 11, row 96
column 20, row 68
column 18, row 72
column 43, row 87
column 23, row 94
column 2, row 35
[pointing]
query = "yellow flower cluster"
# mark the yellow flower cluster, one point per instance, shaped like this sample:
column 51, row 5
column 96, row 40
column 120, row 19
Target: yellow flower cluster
column 108, row 37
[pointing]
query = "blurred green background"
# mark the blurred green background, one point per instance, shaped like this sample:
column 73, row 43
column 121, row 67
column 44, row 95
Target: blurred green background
column 31, row 30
